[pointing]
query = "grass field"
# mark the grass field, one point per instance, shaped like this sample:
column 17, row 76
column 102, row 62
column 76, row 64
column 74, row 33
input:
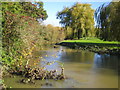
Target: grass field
column 91, row 40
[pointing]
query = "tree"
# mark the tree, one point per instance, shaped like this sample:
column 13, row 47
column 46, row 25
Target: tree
column 65, row 16
column 108, row 21
column 79, row 17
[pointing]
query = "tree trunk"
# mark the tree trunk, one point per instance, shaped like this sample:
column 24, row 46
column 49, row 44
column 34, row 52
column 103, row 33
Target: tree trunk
column 79, row 30
column 73, row 34
column 79, row 33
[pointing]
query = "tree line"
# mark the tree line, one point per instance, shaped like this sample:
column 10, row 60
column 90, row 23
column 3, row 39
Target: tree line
column 78, row 21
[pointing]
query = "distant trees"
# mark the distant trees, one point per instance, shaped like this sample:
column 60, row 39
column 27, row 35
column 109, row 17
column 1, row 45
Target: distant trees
column 108, row 21
column 80, row 18
column 53, row 34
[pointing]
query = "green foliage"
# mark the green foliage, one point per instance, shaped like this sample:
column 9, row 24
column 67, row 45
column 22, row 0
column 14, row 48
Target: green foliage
column 22, row 34
column 79, row 18
column 108, row 21
column 26, row 9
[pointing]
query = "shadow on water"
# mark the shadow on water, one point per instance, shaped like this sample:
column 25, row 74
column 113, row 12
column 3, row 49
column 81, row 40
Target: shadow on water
column 84, row 69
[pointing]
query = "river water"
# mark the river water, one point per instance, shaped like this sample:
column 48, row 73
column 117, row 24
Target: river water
column 83, row 69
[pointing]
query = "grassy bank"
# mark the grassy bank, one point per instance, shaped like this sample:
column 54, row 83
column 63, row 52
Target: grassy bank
column 92, row 40
column 94, row 44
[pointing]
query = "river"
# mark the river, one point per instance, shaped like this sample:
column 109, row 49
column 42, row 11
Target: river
column 83, row 69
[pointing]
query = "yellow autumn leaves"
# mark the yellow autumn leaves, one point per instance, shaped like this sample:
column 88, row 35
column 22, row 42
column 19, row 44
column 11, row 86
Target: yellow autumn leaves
column 29, row 52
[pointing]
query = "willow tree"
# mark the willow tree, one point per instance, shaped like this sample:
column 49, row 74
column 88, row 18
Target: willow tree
column 80, row 18
column 108, row 21
column 65, row 16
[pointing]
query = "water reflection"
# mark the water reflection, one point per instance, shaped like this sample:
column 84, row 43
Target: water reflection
column 72, row 55
column 86, row 68
column 106, row 61
column 64, row 54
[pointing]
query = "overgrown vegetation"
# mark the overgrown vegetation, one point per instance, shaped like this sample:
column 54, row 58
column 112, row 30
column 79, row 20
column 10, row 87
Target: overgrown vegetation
column 23, row 34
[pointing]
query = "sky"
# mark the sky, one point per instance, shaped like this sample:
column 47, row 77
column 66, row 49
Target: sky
column 53, row 7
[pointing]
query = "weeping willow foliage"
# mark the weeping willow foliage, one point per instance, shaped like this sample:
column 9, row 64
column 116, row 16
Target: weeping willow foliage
column 108, row 21
column 79, row 18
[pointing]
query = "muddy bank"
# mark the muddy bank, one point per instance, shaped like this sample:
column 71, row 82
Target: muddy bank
column 97, row 48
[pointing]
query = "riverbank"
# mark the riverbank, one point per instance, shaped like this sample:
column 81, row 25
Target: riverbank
column 94, row 45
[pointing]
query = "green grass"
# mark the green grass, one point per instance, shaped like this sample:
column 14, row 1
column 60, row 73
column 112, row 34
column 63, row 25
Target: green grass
column 91, row 40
